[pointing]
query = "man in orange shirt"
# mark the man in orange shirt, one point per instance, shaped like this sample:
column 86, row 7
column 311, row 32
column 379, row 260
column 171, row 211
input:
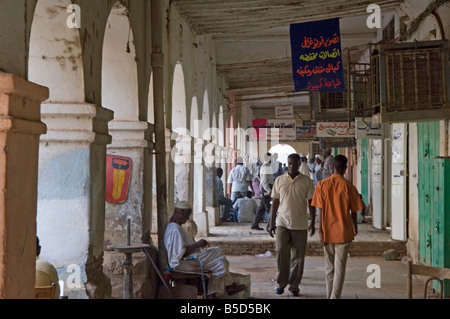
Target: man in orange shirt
column 338, row 202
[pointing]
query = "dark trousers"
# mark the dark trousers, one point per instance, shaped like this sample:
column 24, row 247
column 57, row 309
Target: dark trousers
column 263, row 207
column 291, row 246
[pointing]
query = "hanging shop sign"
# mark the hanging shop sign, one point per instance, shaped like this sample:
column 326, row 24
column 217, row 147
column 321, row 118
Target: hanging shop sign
column 284, row 110
column 275, row 129
column 118, row 173
column 335, row 129
column 317, row 56
column 365, row 129
column 305, row 132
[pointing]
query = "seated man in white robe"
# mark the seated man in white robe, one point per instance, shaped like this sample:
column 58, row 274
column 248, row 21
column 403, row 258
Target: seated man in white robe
column 181, row 249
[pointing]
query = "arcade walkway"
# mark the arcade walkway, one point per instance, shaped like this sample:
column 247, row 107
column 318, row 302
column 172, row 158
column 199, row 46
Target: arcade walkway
column 246, row 250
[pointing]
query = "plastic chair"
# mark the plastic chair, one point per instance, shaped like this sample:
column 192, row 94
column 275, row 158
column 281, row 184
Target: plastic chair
column 45, row 292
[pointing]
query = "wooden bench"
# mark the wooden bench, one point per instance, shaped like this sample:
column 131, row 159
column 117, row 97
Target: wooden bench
column 433, row 273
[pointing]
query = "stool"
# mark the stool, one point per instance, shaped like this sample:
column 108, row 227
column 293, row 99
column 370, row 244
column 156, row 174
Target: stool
column 191, row 278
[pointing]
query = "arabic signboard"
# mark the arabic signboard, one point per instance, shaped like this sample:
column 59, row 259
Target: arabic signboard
column 366, row 129
column 284, row 110
column 274, row 129
column 316, row 56
column 335, row 129
column 118, row 173
column 305, row 132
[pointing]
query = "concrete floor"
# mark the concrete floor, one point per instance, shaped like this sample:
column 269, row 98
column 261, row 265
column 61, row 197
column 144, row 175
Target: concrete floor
column 393, row 278
column 263, row 271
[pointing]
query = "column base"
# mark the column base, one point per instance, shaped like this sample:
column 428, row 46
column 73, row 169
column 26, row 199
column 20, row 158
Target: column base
column 213, row 215
column 202, row 221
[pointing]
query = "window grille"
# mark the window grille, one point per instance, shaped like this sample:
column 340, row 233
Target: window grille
column 410, row 81
column 389, row 31
column 356, row 99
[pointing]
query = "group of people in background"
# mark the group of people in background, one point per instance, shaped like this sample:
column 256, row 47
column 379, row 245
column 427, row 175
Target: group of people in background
column 294, row 199
column 245, row 187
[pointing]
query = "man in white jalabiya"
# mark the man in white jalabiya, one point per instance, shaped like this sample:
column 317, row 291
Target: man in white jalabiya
column 304, row 167
column 185, row 254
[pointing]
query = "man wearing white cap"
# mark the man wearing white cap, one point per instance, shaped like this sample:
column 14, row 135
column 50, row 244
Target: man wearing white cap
column 304, row 168
column 185, row 254
column 328, row 163
column 318, row 169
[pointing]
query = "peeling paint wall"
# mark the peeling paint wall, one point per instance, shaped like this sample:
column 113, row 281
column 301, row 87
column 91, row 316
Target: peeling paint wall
column 428, row 29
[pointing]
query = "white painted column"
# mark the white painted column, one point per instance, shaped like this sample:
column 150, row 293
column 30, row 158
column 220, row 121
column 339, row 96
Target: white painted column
column 200, row 215
column 71, row 195
column 377, row 183
column 399, row 182
column 128, row 140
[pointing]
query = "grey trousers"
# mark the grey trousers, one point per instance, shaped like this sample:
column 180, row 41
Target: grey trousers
column 335, row 264
column 291, row 247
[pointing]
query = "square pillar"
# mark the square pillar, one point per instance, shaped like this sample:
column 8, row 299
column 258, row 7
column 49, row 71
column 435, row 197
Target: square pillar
column 71, row 198
column 20, row 128
column 129, row 139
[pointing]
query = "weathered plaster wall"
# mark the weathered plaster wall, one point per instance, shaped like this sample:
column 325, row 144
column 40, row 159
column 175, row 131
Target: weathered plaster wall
column 66, row 60
column 20, row 107
column 15, row 23
column 428, row 29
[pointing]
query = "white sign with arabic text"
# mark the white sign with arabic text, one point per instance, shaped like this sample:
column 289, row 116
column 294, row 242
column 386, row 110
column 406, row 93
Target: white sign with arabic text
column 335, row 129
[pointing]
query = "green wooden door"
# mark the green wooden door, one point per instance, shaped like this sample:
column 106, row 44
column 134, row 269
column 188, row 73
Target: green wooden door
column 434, row 200
column 365, row 170
column 428, row 148
column 441, row 219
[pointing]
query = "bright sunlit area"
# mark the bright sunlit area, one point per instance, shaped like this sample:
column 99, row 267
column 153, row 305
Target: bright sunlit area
column 283, row 151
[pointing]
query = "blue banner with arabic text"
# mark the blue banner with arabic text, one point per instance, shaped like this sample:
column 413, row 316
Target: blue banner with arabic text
column 317, row 57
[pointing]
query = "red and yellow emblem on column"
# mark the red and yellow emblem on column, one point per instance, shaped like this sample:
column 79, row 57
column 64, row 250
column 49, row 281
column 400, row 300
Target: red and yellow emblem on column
column 118, row 173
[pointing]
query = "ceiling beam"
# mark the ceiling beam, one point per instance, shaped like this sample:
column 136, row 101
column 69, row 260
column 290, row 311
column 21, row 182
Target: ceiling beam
column 284, row 37
column 256, row 64
column 275, row 97
column 259, row 89
column 237, row 6
column 252, row 22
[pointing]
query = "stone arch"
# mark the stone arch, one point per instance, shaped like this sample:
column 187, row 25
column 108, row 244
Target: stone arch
column 206, row 118
column 221, row 127
column 119, row 69
column 120, row 93
column 55, row 54
column 196, row 130
column 194, row 126
column 67, row 214
column 181, row 152
column 283, row 151
column 55, row 61
column 221, row 141
column 179, row 116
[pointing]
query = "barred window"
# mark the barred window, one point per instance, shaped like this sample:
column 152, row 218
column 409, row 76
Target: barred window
column 410, row 80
